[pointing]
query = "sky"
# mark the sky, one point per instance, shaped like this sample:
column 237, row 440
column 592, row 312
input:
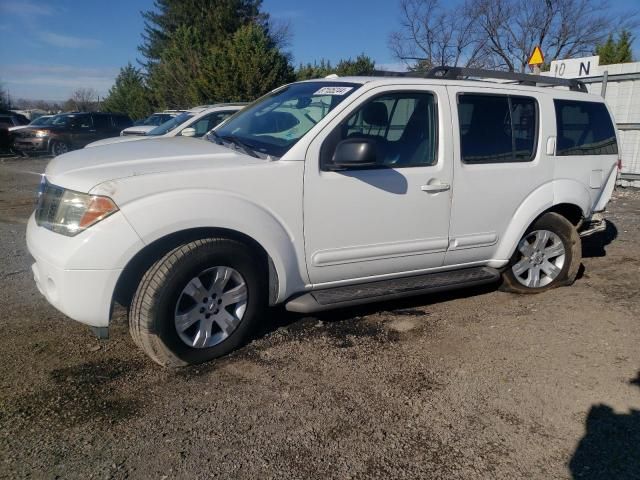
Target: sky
column 51, row 47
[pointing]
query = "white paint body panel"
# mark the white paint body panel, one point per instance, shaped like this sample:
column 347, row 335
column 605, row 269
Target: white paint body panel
column 319, row 228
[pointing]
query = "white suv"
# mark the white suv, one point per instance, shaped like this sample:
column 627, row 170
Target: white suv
column 195, row 122
column 323, row 194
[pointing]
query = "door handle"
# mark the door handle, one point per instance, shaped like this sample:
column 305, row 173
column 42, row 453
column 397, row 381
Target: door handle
column 435, row 187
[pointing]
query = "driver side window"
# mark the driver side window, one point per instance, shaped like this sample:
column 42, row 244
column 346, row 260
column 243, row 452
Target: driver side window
column 402, row 125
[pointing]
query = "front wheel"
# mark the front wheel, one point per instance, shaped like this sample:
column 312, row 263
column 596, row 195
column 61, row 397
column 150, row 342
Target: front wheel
column 58, row 148
column 200, row 301
column 547, row 256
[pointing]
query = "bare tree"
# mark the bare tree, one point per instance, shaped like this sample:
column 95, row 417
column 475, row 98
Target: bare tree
column 432, row 35
column 83, row 100
column 502, row 33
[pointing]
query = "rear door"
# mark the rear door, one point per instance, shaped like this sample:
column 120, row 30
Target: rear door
column 499, row 159
column 82, row 130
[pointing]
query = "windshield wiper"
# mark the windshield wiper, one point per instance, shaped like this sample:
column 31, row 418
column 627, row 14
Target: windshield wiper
column 236, row 141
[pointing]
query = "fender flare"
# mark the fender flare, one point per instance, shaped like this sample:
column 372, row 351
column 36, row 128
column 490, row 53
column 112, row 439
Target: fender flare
column 542, row 199
column 182, row 210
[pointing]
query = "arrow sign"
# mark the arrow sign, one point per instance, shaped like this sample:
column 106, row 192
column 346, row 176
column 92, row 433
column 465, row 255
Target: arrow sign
column 537, row 58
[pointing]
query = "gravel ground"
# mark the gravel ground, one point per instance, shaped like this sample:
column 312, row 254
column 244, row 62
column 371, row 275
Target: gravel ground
column 473, row 384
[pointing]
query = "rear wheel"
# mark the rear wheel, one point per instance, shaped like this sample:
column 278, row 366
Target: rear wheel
column 200, row 301
column 547, row 256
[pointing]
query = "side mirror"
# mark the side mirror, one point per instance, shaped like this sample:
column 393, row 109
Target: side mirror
column 355, row 153
column 188, row 132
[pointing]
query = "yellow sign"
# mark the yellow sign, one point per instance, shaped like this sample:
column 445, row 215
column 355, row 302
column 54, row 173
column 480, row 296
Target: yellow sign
column 536, row 58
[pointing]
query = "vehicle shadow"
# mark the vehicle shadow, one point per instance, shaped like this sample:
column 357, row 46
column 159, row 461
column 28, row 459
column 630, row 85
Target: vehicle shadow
column 278, row 317
column 610, row 448
column 594, row 245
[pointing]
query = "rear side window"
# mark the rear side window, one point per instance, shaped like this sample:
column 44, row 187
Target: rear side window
column 497, row 128
column 584, row 128
column 121, row 121
column 101, row 122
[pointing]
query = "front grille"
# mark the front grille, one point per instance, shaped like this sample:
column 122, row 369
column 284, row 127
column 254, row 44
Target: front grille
column 47, row 203
column 24, row 133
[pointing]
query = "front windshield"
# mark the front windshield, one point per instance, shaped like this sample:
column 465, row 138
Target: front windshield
column 172, row 124
column 156, row 119
column 41, row 121
column 65, row 120
column 274, row 124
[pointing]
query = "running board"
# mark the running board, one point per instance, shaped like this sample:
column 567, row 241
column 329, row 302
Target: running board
column 349, row 295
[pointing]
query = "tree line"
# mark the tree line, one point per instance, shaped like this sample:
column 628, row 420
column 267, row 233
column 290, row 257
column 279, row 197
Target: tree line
column 198, row 52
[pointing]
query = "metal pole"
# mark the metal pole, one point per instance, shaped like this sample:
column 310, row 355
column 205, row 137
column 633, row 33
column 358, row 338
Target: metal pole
column 605, row 76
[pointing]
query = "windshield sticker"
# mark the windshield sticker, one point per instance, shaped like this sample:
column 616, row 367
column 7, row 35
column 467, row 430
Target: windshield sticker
column 333, row 90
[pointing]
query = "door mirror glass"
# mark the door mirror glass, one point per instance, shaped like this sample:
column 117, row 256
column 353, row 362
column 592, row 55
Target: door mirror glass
column 188, row 132
column 355, row 153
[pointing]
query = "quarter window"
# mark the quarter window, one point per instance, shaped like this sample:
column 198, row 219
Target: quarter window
column 584, row 128
column 403, row 126
column 101, row 122
column 497, row 128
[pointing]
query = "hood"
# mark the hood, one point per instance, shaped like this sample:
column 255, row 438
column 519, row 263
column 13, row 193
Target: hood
column 109, row 141
column 139, row 128
column 81, row 170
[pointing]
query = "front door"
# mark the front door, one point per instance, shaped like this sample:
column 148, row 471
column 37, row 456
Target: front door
column 391, row 219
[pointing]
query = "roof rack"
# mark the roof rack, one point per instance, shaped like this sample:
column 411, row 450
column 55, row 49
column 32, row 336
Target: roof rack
column 459, row 73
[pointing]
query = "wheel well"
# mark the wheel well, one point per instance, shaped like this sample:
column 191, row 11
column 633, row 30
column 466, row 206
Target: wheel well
column 142, row 261
column 571, row 212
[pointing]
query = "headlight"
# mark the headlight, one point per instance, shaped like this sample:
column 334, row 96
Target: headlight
column 68, row 212
column 42, row 133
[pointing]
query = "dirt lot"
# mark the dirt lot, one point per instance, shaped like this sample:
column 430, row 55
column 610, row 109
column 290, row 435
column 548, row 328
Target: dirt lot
column 476, row 384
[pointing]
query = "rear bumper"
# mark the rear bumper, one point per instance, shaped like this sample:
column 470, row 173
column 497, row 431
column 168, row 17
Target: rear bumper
column 597, row 223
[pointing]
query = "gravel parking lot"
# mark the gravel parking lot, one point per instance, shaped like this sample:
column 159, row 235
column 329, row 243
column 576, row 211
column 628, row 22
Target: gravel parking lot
column 474, row 384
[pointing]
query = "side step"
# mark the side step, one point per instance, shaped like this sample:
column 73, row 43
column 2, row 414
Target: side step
column 349, row 295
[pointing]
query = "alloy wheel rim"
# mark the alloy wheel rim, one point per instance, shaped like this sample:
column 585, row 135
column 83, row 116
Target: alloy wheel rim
column 211, row 307
column 542, row 258
column 60, row 148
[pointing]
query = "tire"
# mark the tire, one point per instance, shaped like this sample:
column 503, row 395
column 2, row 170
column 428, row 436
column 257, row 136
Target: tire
column 552, row 248
column 58, row 148
column 165, row 302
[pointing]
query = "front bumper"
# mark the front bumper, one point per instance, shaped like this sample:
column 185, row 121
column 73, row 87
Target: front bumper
column 78, row 275
column 31, row 144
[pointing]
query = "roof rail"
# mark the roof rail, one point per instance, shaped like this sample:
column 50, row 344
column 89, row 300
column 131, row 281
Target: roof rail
column 459, row 73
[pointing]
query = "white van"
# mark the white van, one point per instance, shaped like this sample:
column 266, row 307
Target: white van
column 323, row 194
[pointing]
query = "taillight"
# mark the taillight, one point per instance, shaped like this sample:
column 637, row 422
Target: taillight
column 619, row 163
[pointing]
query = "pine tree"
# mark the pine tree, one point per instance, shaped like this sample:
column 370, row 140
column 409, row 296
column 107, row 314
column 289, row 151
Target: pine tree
column 248, row 66
column 613, row 51
column 215, row 20
column 129, row 94
column 362, row 65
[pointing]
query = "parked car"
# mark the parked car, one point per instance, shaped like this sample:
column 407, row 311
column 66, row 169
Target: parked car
column 149, row 123
column 69, row 131
column 37, row 122
column 191, row 123
column 375, row 188
column 8, row 120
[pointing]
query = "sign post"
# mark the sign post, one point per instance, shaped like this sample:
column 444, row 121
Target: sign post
column 536, row 60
